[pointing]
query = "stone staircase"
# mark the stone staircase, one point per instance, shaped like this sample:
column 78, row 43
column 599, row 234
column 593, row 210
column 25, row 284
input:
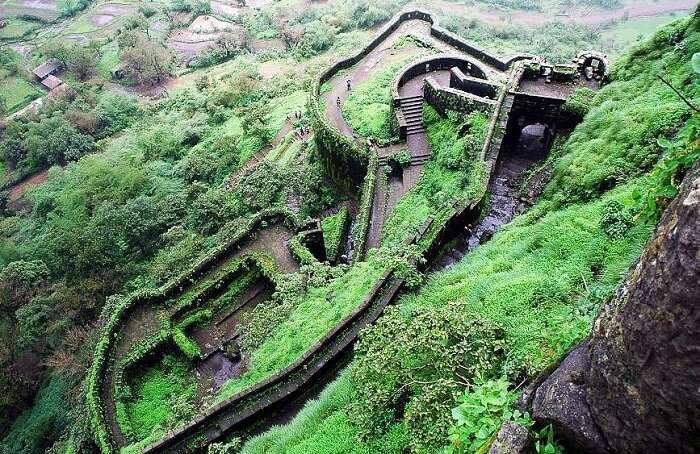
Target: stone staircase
column 415, row 160
column 412, row 110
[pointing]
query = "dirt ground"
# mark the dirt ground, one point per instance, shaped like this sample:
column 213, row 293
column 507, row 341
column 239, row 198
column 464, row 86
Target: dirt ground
column 41, row 4
column 18, row 190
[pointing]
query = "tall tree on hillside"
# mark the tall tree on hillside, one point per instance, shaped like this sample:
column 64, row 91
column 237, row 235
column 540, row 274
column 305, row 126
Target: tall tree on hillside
column 147, row 61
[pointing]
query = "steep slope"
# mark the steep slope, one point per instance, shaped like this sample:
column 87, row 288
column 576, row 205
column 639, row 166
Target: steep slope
column 511, row 308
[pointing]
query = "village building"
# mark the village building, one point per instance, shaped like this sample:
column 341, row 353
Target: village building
column 49, row 68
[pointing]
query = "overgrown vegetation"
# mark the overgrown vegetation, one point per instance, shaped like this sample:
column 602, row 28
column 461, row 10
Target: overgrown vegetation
column 143, row 181
column 518, row 302
column 454, row 175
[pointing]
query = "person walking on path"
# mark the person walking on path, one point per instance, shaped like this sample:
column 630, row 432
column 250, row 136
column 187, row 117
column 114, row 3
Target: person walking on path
column 337, row 101
column 348, row 84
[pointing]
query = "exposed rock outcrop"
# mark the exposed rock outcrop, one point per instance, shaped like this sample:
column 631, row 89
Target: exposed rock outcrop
column 561, row 401
column 512, row 438
column 634, row 386
column 644, row 384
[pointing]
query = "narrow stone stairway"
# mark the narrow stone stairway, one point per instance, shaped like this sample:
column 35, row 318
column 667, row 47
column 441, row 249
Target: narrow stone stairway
column 412, row 109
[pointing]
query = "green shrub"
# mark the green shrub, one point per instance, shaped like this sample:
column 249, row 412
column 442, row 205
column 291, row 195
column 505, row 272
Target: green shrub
column 482, row 409
column 615, row 220
column 334, row 229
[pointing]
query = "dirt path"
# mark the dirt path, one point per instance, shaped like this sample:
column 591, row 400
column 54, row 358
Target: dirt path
column 379, row 59
column 17, row 191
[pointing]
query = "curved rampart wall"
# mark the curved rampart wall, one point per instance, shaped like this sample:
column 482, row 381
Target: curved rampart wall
column 346, row 159
column 446, row 98
column 118, row 315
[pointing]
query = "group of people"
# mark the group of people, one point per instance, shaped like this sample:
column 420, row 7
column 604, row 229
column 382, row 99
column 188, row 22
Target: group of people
column 302, row 131
column 298, row 115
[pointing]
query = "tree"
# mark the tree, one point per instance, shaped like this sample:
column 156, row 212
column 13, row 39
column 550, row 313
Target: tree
column 232, row 43
column 146, row 61
column 81, row 62
column 19, row 280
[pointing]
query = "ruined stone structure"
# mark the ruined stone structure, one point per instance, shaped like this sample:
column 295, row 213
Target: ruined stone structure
column 460, row 77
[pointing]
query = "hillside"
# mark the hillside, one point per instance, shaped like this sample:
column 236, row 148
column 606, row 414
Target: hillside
column 343, row 228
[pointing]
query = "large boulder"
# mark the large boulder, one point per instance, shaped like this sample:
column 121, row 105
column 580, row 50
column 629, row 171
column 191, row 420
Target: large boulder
column 634, row 386
column 644, row 387
column 512, row 438
column 561, row 401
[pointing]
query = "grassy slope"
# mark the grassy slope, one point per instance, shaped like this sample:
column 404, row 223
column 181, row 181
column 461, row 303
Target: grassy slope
column 543, row 276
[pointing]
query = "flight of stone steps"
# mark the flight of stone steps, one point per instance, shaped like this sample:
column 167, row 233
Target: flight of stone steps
column 412, row 109
column 415, row 160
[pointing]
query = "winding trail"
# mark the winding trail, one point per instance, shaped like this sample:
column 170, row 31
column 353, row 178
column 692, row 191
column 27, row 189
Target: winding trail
column 389, row 189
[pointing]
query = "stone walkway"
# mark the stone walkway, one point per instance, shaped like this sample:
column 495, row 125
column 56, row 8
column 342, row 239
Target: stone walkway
column 388, row 191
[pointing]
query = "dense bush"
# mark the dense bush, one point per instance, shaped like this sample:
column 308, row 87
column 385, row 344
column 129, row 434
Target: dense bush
column 334, row 230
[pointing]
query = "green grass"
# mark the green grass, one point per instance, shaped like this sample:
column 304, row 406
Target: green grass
column 290, row 153
column 334, row 229
column 284, row 106
column 368, row 108
column 453, row 174
column 81, row 26
column 313, row 318
column 17, row 28
column 540, row 280
column 17, row 92
column 158, row 393
column 109, row 59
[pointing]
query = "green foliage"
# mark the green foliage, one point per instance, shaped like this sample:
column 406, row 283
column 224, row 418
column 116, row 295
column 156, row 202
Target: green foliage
column 631, row 122
column 545, row 443
column 334, row 229
column 116, row 112
column 43, row 422
column 161, row 396
column 368, row 108
column 555, row 40
column 667, row 174
column 361, row 228
column 483, row 408
column 18, row 279
column 402, row 158
column 511, row 307
column 453, row 175
column 321, row 309
column 69, row 8
column 421, row 362
column 615, row 220
column 580, row 102
column 186, row 345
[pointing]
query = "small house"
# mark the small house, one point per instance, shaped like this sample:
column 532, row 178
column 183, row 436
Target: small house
column 51, row 82
column 49, row 68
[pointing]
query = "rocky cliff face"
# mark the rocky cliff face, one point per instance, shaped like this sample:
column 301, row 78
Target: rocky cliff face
column 644, row 383
column 634, row 386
